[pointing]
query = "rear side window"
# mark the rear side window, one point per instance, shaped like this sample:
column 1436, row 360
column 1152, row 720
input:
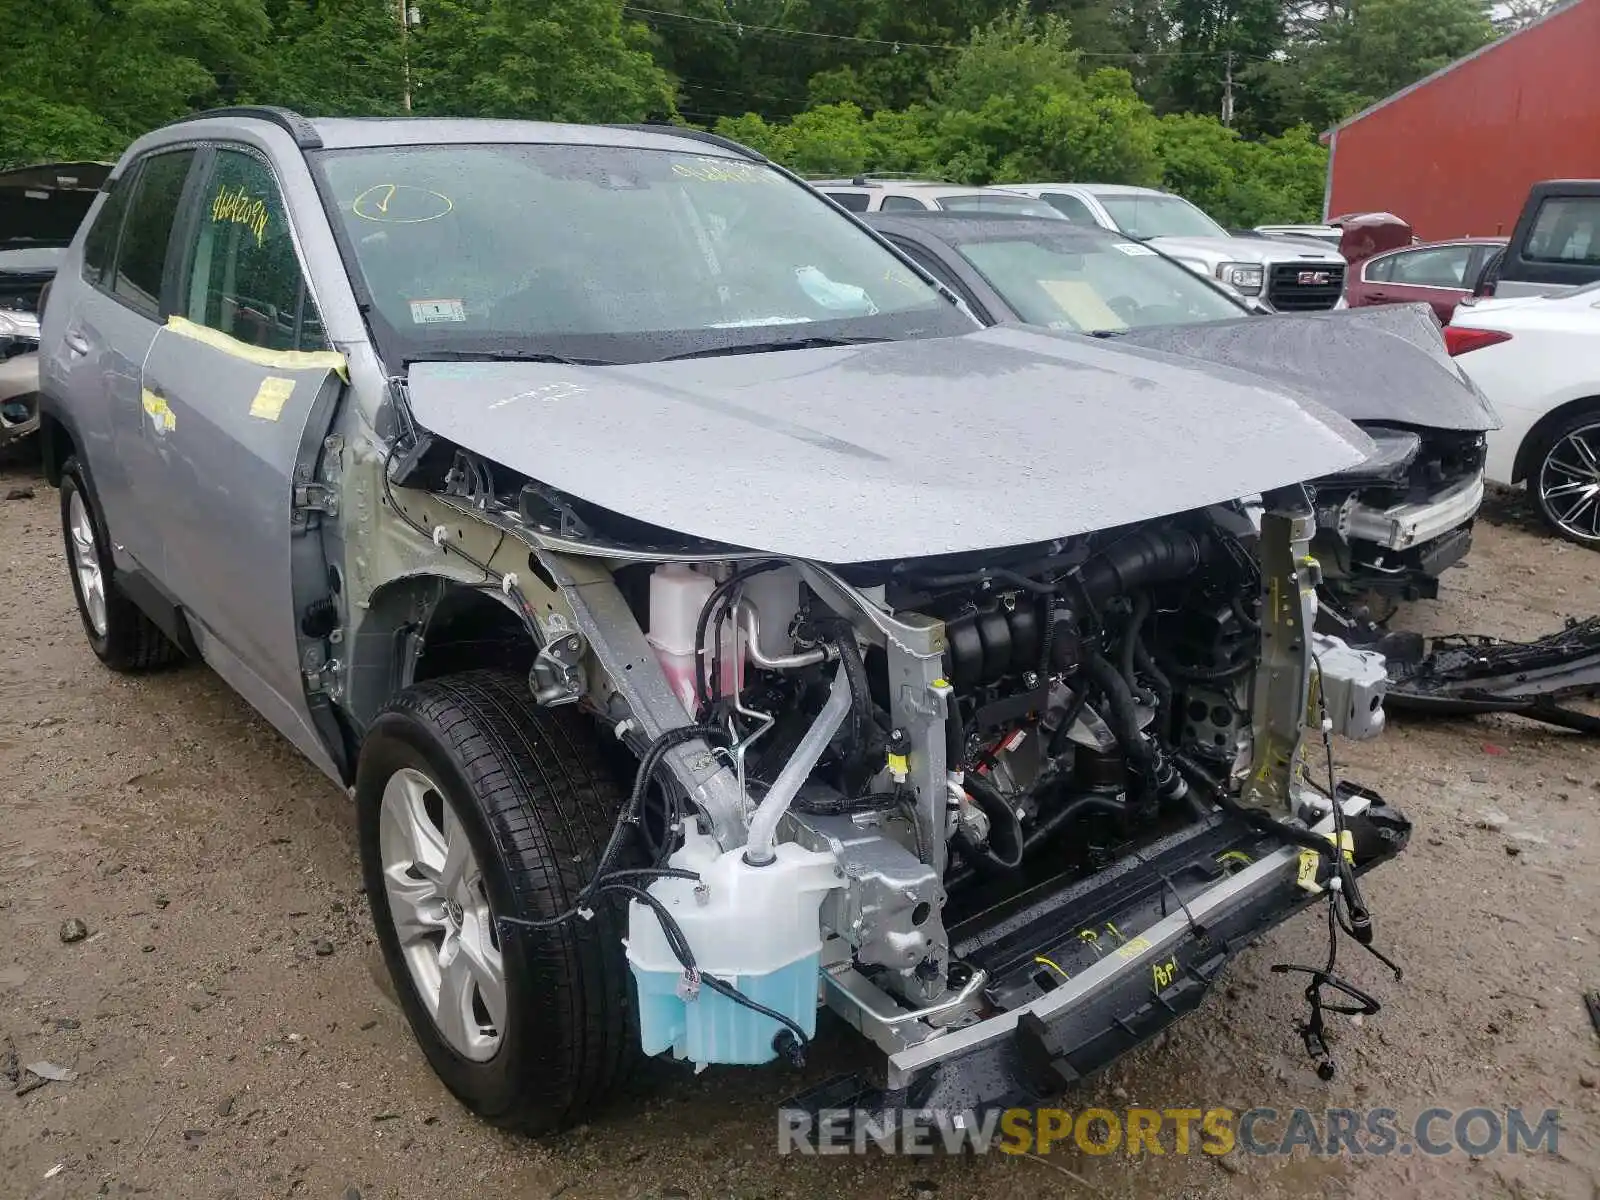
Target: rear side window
column 1437, row 266
column 854, row 201
column 1379, row 270
column 244, row 278
column 890, row 203
column 1566, row 230
column 100, row 243
column 142, row 257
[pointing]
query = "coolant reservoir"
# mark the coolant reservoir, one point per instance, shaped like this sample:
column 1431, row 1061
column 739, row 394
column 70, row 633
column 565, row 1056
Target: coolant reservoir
column 756, row 928
column 678, row 593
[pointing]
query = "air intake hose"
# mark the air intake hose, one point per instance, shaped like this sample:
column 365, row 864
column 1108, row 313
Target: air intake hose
column 1139, row 560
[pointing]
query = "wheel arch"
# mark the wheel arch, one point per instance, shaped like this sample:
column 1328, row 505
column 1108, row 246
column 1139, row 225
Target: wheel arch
column 423, row 626
column 56, row 444
column 1522, row 466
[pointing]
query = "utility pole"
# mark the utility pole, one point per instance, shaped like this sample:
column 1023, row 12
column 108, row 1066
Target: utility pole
column 409, row 15
column 1227, row 92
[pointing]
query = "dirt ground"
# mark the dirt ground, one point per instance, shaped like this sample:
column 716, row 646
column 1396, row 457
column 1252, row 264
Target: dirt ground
column 233, row 1035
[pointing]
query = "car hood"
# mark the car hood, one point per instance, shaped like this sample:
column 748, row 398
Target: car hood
column 1383, row 363
column 1250, row 250
column 1001, row 437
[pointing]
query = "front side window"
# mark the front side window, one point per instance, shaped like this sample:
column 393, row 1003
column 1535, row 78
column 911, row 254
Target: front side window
column 1093, row 285
column 1070, row 207
column 1567, row 230
column 1153, row 216
column 609, row 254
column 244, row 279
column 147, row 231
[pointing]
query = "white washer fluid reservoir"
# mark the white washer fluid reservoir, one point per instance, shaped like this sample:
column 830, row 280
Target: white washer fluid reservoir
column 756, row 928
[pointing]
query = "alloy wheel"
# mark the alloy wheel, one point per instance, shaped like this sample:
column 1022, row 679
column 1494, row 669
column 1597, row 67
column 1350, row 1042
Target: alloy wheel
column 441, row 914
column 1569, row 483
column 86, row 562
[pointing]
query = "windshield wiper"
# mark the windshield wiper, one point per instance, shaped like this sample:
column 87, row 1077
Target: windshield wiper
column 805, row 343
column 527, row 356
column 1104, row 333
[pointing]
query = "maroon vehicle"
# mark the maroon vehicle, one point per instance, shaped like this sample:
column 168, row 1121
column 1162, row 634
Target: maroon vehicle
column 1441, row 273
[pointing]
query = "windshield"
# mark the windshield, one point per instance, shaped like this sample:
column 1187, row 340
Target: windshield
column 611, row 254
column 1024, row 206
column 1144, row 216
column 1090, row 286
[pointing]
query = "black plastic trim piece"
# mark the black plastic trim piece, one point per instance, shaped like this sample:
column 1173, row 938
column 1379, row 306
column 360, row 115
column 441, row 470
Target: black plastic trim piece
column 165, row 612
column 304, row 133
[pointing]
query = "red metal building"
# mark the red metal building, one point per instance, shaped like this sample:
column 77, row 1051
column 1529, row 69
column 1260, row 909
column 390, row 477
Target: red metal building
column 1455, row 153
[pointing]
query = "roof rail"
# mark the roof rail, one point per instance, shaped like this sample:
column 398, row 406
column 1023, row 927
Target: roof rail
column 304, row 133
column 698, row 135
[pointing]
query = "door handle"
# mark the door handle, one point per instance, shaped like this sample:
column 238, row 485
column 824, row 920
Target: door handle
column 76, row 342
column 1379, row 296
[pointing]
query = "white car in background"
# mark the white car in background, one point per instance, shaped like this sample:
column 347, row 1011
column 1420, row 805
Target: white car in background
column 1537, row 358
column 1293, row 275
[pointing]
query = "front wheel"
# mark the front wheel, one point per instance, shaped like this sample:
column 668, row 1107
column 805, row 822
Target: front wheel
column 1565, row 481
column 472, row 804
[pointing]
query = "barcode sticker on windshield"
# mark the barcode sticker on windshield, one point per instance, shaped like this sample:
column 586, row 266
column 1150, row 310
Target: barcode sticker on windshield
column 1133, row 248
column 432, row 312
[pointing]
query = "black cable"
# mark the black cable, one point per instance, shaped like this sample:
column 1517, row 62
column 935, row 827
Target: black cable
column 826, row 806
column 684, row 953
column 718, row 594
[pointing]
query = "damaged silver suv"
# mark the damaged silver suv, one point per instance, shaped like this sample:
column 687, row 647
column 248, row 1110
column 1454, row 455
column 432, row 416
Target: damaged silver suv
column 710, row 621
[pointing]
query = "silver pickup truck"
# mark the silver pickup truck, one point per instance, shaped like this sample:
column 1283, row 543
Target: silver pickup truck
column 1296, row 276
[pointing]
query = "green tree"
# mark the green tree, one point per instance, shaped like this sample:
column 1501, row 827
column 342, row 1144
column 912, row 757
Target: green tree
column 337, row 57
column 83, row 77
column 1210, row 60
column 1240, row 182
column 561, row 60
column 1011, row 56
column 1374, row 48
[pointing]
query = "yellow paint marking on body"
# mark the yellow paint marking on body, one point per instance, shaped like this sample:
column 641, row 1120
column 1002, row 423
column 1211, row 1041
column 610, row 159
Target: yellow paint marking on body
column 156, row 408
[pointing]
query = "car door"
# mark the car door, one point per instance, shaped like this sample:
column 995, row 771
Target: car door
column 247, row 386
column 1435, row 275
column 109, row 327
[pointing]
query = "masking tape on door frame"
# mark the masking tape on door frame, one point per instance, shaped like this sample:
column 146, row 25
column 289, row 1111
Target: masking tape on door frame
column 282, row 360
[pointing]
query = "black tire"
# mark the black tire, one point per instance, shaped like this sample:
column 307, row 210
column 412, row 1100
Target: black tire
column 538, row 800
column 131, row 642
column 1584, row 529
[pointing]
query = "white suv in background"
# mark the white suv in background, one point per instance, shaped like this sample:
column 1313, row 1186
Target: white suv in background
column 1292, row 276
column 868, row 193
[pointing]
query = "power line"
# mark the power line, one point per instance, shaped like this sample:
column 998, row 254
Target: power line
column 742, row 27
column 777, row 31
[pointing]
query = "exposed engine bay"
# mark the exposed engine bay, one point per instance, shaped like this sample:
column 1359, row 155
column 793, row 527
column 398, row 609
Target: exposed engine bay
column 890, row 775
